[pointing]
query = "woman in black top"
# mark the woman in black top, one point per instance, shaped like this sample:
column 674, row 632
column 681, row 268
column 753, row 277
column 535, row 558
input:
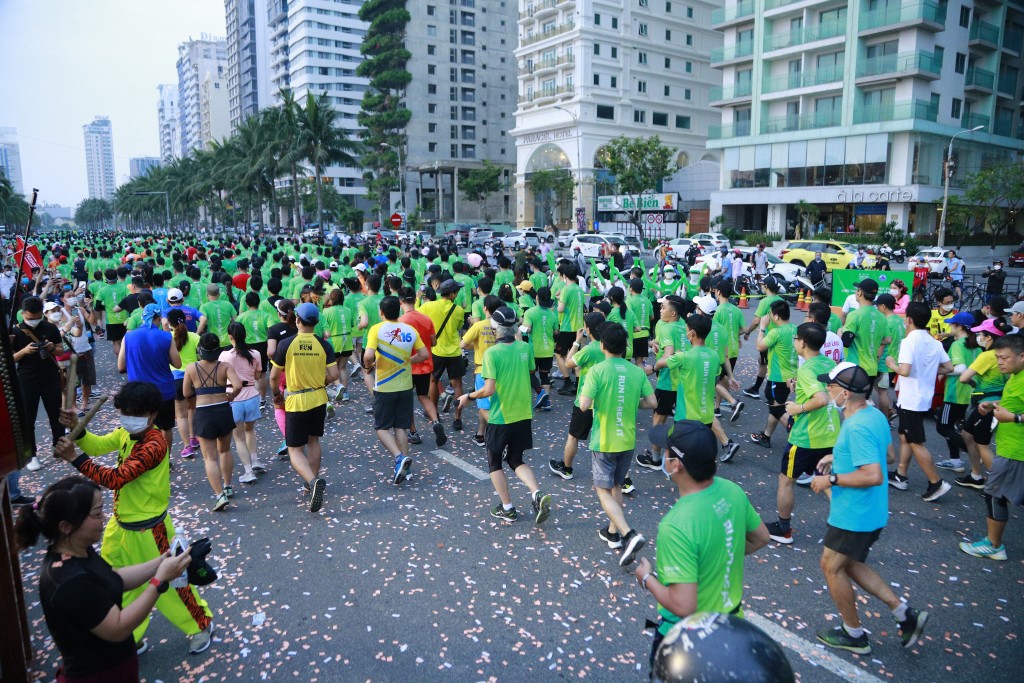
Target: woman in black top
column 80, row 593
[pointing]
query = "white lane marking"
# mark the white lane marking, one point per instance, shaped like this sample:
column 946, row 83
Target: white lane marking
column 817, row 655
column 462, row 465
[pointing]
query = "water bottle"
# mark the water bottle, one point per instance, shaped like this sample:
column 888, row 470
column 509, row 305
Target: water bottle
column 179, row 546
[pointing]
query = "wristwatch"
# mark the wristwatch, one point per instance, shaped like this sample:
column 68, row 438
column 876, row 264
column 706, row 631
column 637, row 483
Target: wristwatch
column 161, row 586
column 1018, row 418
column 643, row 581
column 833, row 479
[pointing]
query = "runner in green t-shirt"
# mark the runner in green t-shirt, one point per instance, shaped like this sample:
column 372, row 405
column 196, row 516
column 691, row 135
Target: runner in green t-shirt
column 338, row 325
column 506, row 371
column 895, row 331
column 613, row 391
column 957, row 395
column 702, row 540
column 643, row 312
column 762, row 312
column 541, row 323
column 870, row 330
column 581, row 360
column 815, row 425
column 669, row 338
column 571, row 305
column 217, row 314
column 777, row 345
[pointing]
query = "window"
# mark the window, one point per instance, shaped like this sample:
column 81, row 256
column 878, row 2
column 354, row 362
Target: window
column 641, row 57
column 689, row 39
column 668, row 62
column 643, row 3
column 639, row 116
column 431, row 108
column 641, row 86
column 615, row 82
column 431, row 10
column 597, row 48
column 597, row 79
column 689, row 13
column 659, row 118
column 960, row 65
column 606, row 112
column 686, row 94
column 668, row 35
column 955, row 109
column 668, row 8
column 615, row 22
column 431, row 69
column 615, row 52
column 667, row 90
column 431, row 146
column 597, row 19
column 689, row 67
column 643, row 29
column 431, row 30
column 431, row 49
column 683, row 122
column 431, row 88
column 431, row 127
column 965, row 16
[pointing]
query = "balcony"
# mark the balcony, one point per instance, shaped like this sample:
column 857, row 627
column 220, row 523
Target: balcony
column 545, row 94
column 731, row 52
column 975, row 120
column 900, row 111
column 984, row 34
column 726, row 131
column 810, row 34
column 557, row 31
column 919, row 64
column 926, row 15
column 731, row 92
column 537, row 9
column 723, row 16
column 775, row 4
column 786, row 124
column 979, row 80
column 805, row 79
column 541, row 66
column 1006, row 86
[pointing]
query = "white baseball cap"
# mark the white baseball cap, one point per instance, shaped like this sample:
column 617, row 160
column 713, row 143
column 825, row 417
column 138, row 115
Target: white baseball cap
column 175, row 294
column 706, row 304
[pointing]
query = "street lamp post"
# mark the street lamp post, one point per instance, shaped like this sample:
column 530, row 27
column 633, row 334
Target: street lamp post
column 401, row 172
column 579, row 162
column 167, row 204
column 941, row 242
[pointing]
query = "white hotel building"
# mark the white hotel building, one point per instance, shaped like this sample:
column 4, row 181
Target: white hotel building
column 592, row 70
column 850, row 106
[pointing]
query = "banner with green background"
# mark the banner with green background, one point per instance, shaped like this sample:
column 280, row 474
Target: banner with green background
column 844, row 282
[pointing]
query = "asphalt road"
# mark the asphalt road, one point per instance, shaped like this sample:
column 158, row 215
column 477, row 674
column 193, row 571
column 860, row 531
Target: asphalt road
column 418, row 582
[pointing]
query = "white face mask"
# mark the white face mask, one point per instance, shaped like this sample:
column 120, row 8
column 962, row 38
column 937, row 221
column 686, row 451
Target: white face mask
column 134, row 425
column 8, row 272
column 997, row 267
column 833, row 404
column 33, row 323
column 946, row 307
column 895, row 292
column 980, row 338
column 54, row 317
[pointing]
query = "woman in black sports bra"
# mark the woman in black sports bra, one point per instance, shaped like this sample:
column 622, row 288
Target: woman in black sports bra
column 207, row 380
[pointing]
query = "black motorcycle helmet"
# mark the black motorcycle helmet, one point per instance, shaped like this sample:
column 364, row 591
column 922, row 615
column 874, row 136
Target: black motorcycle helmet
column 719, row 648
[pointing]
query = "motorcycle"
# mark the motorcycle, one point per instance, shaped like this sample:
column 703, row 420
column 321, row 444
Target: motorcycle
column 885, row 252
column 899, row 255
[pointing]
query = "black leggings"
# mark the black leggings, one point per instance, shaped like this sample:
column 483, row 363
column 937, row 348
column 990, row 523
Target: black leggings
column 949, row 417
column 47, row 389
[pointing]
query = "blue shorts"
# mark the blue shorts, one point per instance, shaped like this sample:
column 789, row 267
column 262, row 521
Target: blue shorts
column 247, row 410
column 482, row 403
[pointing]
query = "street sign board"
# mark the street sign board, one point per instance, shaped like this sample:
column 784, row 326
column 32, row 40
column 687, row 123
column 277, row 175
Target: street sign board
column 396, row 219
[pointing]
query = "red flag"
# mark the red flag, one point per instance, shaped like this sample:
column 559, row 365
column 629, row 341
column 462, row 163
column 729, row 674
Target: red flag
column 33, row 259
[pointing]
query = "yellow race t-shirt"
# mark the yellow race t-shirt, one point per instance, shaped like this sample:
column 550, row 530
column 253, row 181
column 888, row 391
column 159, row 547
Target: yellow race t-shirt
column 481, row 336
column 394, row 344
column 304, row 358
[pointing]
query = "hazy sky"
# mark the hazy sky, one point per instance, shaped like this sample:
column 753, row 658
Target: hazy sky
column 67, row 61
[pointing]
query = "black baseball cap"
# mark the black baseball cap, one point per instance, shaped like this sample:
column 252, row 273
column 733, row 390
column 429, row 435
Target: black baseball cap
column 449, row 287
column 504, row 316
column 691, row 441
column 887, row 300
column 849, row 376
column 868, row 287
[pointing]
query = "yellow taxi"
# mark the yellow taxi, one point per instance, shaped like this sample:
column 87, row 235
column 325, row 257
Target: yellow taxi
column 834, row 254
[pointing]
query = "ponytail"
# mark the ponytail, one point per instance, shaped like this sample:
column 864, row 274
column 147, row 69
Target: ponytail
column 68, row 500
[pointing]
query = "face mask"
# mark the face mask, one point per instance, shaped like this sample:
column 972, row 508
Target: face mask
column 134, row 425
column 54, row 317
column 664, row 459
column 33, row 323
column 995, row 267
column 833, row 404
column 895, row 292
column 8, row 272
column 980, row 338
column 946, row 308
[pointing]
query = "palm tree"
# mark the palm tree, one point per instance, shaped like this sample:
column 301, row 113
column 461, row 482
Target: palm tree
column 323, row 143
column 290, row 137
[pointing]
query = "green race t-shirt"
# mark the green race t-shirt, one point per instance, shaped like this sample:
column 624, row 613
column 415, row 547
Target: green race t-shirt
column 629, row 324
column 571, row 298
column 694, row 374
column 731, row 319
column 542, row 323
column 668, row 334
column 701, row 540
column 642, row 311
column 989, row 382
column 781, row 354
column 817, row 428
column 111, row 296
column 370, row 307
column 338, row 324
column 956, row 391
column 586, row 358
column 765, row 307
column 510, row 366
column 218, row 316
column 870, row 327
column 718, row 341
column 256, row 324
column 1010, row 435
column 616, row 387
column 896, row 332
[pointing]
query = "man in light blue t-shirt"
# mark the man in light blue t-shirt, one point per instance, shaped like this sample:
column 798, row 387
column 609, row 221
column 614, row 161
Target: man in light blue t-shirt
column 855, row 472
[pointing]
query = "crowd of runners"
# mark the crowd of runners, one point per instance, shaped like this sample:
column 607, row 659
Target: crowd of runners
column 214, row 335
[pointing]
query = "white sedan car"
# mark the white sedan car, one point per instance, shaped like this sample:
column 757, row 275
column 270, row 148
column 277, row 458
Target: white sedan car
column 789, row 271
column 678, row 247
column 933, row 257
column 716, row 239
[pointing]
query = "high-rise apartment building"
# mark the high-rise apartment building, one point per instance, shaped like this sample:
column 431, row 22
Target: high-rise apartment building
column 140, row 166
column 99, row 158
column 10, row 158
column 246, row 55
column 214, row 122
column 850, row 106
column 592, row 70
column 168, row 121
column 198, row 59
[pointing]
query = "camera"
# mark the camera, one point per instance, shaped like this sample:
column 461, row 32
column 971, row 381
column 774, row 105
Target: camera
column 43, row 353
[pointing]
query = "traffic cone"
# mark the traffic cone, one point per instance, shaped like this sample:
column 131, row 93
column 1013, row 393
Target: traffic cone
column 801, row 304
column 743, row 298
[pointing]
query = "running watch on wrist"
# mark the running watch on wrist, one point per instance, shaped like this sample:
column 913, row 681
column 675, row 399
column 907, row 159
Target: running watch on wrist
column 833, row 479
column 161, row 586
